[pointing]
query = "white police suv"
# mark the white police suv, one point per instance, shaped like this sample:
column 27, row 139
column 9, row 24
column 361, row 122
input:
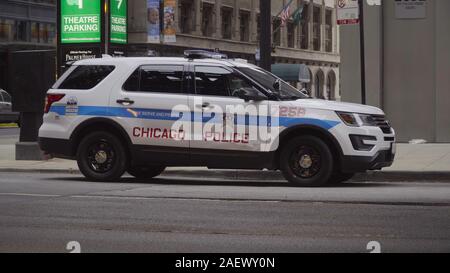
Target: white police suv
column 140, row 115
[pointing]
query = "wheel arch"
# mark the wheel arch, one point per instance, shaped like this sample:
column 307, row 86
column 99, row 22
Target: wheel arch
column 98, row 124
column 313, row 130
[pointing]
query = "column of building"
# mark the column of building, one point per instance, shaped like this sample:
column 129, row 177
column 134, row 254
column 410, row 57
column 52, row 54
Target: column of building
column 235, row 35
column 218, row 19
column 197, row 17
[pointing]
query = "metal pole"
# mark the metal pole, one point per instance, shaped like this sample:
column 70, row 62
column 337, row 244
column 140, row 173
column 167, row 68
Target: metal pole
column 265, row 35
column 362, row 50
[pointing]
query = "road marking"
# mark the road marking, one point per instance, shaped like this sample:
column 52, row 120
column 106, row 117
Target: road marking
column 28, row 194
column 173, row 198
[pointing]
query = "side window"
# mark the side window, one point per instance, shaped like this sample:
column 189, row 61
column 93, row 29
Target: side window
column 237, row 81
column 156, row 78
column 1, row 96
column 217, row 81
column 211, row 81
column 86, row 76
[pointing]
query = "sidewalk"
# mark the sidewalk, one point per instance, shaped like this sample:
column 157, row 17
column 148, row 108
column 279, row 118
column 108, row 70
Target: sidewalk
column 420, row 162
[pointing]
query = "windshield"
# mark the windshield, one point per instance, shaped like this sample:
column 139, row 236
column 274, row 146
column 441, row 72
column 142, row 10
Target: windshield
column 267, row 79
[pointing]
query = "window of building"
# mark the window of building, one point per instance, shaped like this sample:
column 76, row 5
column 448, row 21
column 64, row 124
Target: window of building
column 156, row 79
column 304, row 28
column 20, row 31
column 34, row 32
column 6, row 29
column 290, row 34
column 207, row 20
column 227, row 17
column 244, row 26
column 186, row 16
column 316, row 28
column 328, row 31
column 276, row 32
column 86, row 76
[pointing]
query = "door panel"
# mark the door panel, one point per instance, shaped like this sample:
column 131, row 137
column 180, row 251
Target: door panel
column 222, row 121
column 145, row 106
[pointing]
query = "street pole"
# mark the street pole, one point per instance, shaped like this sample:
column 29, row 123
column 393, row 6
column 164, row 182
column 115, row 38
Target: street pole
column 265, row 35
column 362, row 51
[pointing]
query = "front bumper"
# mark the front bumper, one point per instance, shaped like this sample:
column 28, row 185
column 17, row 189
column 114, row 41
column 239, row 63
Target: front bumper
column 357, row 164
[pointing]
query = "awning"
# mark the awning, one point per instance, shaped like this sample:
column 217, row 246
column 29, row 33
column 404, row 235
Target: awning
column 292, row 72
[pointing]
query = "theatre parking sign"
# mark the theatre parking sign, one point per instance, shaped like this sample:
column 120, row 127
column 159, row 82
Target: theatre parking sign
column 80, row 21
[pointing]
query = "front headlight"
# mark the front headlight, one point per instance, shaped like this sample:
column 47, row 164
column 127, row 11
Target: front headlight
column 348, row 118
column 357, row 120
column 367, row 120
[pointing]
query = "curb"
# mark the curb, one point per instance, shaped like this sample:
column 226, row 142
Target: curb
column 371, row 176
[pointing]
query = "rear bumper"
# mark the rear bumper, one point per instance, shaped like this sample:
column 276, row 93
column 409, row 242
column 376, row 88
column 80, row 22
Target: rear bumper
column 57, row 147
column 357, row 164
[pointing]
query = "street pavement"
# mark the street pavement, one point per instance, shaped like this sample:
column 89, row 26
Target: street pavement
column 42, row 212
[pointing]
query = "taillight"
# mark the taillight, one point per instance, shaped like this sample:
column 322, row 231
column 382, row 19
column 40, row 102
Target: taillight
column 50, row 99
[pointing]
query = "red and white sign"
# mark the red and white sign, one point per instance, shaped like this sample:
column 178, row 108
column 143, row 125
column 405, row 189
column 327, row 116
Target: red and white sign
column 347, row 12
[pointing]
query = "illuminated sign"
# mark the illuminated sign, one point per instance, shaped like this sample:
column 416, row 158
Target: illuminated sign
column 118, row 21
column 80, row 21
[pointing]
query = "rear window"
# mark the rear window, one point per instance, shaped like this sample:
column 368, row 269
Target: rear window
column 86, row 76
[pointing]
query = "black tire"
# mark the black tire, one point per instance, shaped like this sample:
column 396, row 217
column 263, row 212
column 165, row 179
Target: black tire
column 306, row 161
column 145, row 172
column 102, row 157
column 338, row 178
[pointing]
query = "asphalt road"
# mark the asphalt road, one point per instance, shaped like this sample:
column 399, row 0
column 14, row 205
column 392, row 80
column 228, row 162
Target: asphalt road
column 43, row 212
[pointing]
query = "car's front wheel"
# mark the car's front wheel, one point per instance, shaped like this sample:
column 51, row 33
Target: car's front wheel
column 145, row 172
column 102, row 157
column 306, row 161
column 339, row 177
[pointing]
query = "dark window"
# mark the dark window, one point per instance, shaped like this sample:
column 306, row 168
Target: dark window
column 244, row 26
column 207, row 20
column 86, row 76
column 156, row 78
column 277, row 32
column 316, row 28
column 291, row 34
column 227, row 17
column 186, row 16
column 218, row 81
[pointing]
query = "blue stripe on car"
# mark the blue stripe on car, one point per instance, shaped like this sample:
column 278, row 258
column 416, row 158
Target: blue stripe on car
column 158, row 114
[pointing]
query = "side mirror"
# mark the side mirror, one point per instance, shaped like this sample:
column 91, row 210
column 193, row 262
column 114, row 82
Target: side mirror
column 248, row 94
column 277, row 84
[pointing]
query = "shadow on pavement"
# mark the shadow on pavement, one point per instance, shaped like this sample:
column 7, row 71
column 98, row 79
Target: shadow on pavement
column 219, row 182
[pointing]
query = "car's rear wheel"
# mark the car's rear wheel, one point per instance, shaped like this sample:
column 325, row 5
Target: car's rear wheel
column 102, row 157
column 306, row 161
column 145, row 172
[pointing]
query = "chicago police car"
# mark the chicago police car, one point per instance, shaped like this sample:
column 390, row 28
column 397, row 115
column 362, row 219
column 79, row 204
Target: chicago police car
column 141, row 115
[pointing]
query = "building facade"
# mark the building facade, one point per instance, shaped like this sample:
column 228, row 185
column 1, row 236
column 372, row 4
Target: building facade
column 232, row 26
column 25, row 25
column 407, row 66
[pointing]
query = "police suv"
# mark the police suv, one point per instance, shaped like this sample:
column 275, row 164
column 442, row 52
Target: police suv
column 141, row 115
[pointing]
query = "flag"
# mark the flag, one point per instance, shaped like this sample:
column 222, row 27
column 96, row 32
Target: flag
column 297, row 15
column 285, row 14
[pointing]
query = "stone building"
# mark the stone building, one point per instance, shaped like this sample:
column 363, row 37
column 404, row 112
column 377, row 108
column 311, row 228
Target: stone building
column 232, row 27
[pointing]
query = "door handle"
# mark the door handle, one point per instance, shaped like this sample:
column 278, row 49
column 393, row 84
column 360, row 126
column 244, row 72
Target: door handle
column 204, row 105
column 125, row 101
